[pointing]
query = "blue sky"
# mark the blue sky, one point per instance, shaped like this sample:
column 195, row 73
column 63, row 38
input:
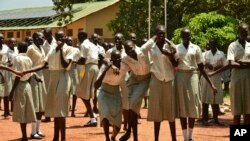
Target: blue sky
column 15, row 4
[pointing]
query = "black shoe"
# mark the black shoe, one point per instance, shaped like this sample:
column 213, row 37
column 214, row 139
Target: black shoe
column 112, row 138
column 35, row 136
column 73, row 115
column 90, row 124
column 24, row 139
column 217, row 122
column 125, row 137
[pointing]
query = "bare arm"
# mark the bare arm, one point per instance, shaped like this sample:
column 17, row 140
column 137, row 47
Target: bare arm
column 81, row 61
column 17, row 79
column 9, row 69
column 37, row 68
column 201, row 68
column 220, row 70
column 98, row 82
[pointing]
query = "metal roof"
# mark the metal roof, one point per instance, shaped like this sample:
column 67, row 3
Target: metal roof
column 27, row 14
column 32, row 18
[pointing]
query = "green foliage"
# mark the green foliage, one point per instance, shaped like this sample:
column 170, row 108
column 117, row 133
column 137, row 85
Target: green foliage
column 65, row 11
column 133, row 17
column 206, row 26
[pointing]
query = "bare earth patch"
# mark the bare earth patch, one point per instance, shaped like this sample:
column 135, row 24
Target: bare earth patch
column 10, row 131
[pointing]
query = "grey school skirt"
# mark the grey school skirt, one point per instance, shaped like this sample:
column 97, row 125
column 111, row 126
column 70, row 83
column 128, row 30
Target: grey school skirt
column 187, row 90
column 86, row 89
column 23, row 110
column 57, row 101
column 240, row 91
column 162, row 102
column 207, row 95
column 74, row 75
column 110, row 104
column 39, row 93
column 137, row 88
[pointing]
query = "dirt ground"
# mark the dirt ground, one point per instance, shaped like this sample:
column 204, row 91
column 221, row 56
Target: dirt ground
column 10, row 131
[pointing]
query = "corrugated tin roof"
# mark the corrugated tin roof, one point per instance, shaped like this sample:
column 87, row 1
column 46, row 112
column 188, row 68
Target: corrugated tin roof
column 32, row 18
column 25, row 15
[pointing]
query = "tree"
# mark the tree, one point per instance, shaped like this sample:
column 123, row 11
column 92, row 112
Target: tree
column 206, row 26
column 133, row 17
column 65, row 11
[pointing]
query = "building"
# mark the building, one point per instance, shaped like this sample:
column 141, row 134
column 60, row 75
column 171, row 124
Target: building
column 93, row 17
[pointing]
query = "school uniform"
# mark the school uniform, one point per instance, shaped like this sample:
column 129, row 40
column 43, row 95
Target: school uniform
column 123, row 86
column 4, row 60
column 57, row 101
column 23, row 111
column 161, row 105
column 74, row 75
column 86, row 88
column 187, row 86
column 138, row 81
column 109, row 98
column 240, row 79
column 39, row 91
column 8, row 76
column 46, row 47
column 207, row 96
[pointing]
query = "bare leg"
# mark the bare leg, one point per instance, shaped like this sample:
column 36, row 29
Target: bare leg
column 205, row 114
column 6, row 106
column 125, row 119
column 215, row 108
column 92, row 122
column 246, row 119
column 0, row 103
column 184, row 127
column 24, row 133
column 56, row 129
column 145, row 102
column 191, row 127
column 172, row 130
column 126, row 136
column 87, row 112
column 95, row 109
column 236, row 120
column 134, row 121
column 73, row 106
column 157, row 126
column 105, row 125
column 62, row 127
column 115, row 132
column 88, row 107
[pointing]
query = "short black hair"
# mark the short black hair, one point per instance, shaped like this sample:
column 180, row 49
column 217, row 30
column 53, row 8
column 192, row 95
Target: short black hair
column 22, row 47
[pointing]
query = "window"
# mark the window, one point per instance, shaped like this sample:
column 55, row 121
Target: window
column 18, row 34
column 98, row 31
column 80, row 29
column 70, row 32
column 28, row 33
column 10, row 34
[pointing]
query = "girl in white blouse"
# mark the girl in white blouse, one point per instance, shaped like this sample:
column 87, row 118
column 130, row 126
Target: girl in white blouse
column 109, row 98
column 213, row 59
column 189, row 61
column 58, row 60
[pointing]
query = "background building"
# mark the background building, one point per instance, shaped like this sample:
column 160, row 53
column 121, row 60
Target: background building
column 92, row 17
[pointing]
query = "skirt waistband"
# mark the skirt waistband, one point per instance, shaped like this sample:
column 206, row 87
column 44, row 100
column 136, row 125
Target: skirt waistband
column 141, row 77
column 187, row 71
column 110, row 88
